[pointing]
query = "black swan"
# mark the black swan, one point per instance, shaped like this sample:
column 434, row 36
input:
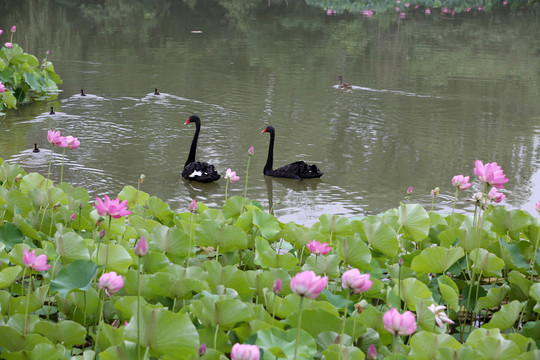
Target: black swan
column 343, row 85
column 156, row 92
column 82, row 93
column 295, row 170
column 52, row 111
column 196, row 170
column 36, row 149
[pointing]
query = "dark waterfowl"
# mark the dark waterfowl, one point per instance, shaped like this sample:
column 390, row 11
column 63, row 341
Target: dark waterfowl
column 343, row 85
column 82, row 93
column 195, row 170
column 36, row 149
column 52, row 111
column 156, row 92
column 295, row 170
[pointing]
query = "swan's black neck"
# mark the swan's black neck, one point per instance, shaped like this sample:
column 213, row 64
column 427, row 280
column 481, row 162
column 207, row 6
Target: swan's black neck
column 193, row 149
column 270, row 159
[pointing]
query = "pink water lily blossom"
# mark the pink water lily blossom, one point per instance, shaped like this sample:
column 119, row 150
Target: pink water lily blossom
column 315, row 247
column 13, row 28
column 8, row 45
column 490, row 173
column 245, row 352
column 401, row 324
column 113, row 208
column 461, row 182
column 38, row 263
column 110, row 283
column 352, row 279
column 231, row 176
column 496, row 196
column 308, row 285
column 141, row 248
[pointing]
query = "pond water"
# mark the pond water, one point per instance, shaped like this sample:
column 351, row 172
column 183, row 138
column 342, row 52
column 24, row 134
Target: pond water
column 431, row 94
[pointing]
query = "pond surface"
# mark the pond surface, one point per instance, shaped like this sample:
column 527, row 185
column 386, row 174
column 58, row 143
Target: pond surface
column 430, row 95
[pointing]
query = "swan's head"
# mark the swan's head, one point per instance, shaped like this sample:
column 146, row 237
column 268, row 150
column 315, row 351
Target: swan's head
column 340, row 78
column 193, row 118
column 268, row 129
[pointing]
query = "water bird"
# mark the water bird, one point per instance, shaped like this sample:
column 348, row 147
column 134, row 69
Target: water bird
column 52, row 111
column 195, row 170
column 82, row 93
column 343, row 85
column 36, row 149
column 156, row 92
column 295, row 170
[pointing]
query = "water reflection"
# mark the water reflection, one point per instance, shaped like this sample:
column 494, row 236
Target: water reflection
column 429, row 97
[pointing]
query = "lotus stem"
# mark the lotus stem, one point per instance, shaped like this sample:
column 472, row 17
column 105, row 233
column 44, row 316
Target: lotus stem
column 343, row 327
column 215, row 336
column 62, row 167
column 245, row 187
column 139, row 309
column 299, row 326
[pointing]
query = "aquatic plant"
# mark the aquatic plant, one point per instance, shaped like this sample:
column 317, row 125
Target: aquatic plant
column 406, row 283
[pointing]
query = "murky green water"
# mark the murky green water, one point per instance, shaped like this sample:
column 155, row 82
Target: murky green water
column 431, row 95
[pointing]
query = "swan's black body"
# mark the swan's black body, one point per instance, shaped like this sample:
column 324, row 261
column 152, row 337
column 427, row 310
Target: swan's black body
column 52, row 111
column 295, row 170
column 196, row 170
column 36, row 149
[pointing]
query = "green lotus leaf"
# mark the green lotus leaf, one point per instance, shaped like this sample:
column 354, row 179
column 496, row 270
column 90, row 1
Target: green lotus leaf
column 226, row 313
column 226, row 237
column 66, row 332
column 493, row 347
column 505, row 317
column 9, row 275
column 160, row 210
column 40, row 351
column 315, row 321
column 436, row 259
column 347, row 352
column 10, row 235
column 324, row 265
column 450, row 296
column 233, row 207
column 281, row 343
column 493, row 298
column 8, row 171
column 534, row 293
column 451, row 237
column 415, row 220
column 334, row 225
column 475, row 238
column 354, row 252
column 17, row 202
column 520, row 284
column 267, row 224
column 486, row 263
column 171, row 286
column 133, row 196
column 35, row 299
column 126, row 350
column 510, row 222
column 413, row 290
column 382, row 237
column 114, row 256
column 71, row 246
column 267, row 257
column 171, row 241
column 25, row 227
column 75, row 276
column 426, row 345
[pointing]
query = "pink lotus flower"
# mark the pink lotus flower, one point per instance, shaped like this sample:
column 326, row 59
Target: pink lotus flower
column 38, row 263
column 461, row 182
column 276, row 289
column 113, row 208
column 372, row 352
column 496, row 196
column 202, row 349
column 427, row 11
column 2, row 87
column 245, row 352
column 352, row 279
column 192, row 206
column 72, row 217
column 491, row 174
column 410, row 190
column 368, row 13
column 110, row 283
column 315, row 247
column 54, row 138
column 13, row 28
column 401, row 324
column 538, row 207
column 505, row 3
column 402, row 15
column 308, row 284
column 231, row 176
column 8, row 45
column 251, row 151
column 141, row 248
column 1, row 31
column 71, row 142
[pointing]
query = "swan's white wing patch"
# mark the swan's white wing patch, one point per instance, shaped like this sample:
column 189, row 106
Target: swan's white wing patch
column 195, row 173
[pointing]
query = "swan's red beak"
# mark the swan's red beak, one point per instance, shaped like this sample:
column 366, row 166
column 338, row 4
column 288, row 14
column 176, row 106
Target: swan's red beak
column 262, row 132
column 187, row 122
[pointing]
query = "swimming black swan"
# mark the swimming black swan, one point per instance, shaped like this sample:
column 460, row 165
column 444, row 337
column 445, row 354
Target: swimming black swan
column 36, row 149
column 52, row 111
column 82, row 92
column 156, row 92
column 196, row 170
column 343, row 85
column 295, row 170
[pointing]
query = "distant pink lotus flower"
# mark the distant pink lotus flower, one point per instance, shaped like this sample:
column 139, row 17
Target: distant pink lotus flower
column 368, row 13
column 461, row 182
column 245, row 352
column 308, row 285
column 401, row 324
column 397, row 8
column 110, row 283
column 410, row 190
column 72, row 217
column 8, row 45
column 47, row 52
column 372, row 352
column 496, row 196
column 13, row 28
column 71, row 142
column 1, row 31
column 231, row 176
column 352, row 279
column 407, row 5
column 427, row 11
column 55, row 138
column 193, row 206
column 491, row 174
column 251, row 151
column 38, row 263
column 467, row 9
column 505, row 3
column 402, row 15
column 2, row 87
column 538, row 207
column 113, row 208
column 331, row 12
column 276, row 289
column 315, row 247
column 479, row 8
column 141, row 248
